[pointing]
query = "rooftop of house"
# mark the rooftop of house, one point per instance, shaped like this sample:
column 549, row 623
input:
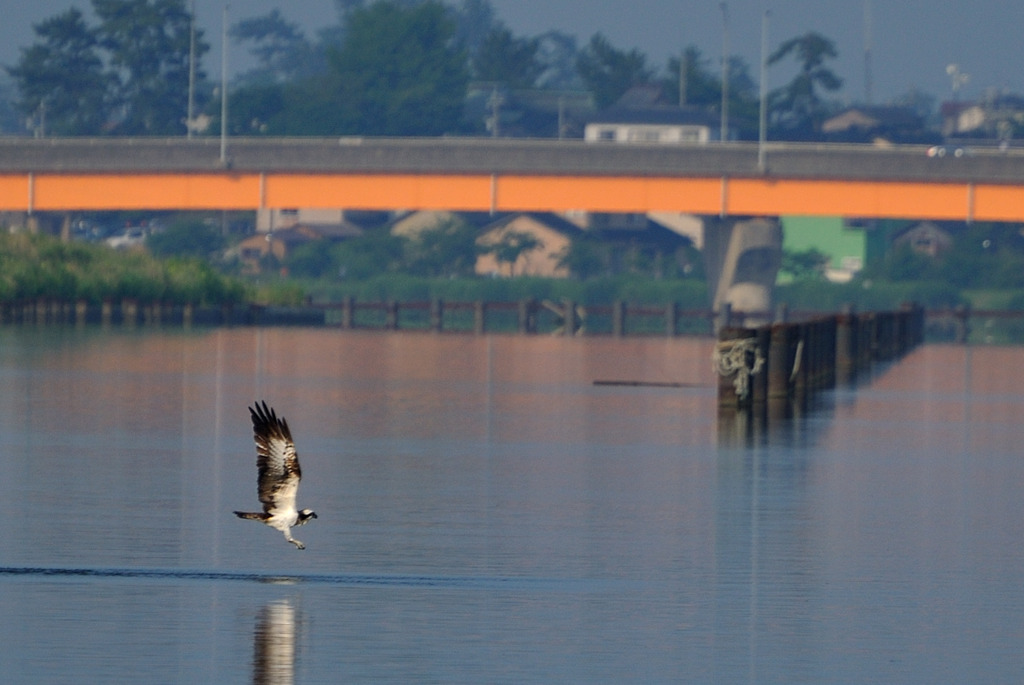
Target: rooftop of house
column 548, row 219
column 646, row 104
column 870, row 117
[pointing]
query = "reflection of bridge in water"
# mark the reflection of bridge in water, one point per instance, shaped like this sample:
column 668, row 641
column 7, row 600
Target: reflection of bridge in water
column 727, row 183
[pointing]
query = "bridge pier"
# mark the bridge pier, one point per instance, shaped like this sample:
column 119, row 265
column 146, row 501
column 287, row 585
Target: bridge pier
column 742, row 256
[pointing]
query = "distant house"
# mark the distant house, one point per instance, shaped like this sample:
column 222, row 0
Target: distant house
column 551, row 234
column 997, row 117
column 641, row 116
column 925, row 238
column 864, row 124
column 279, row 244
column 268, row 220
column 659, row 247
column 617, row 247
column 656, row 124
column 689, row 226
column 411, row 225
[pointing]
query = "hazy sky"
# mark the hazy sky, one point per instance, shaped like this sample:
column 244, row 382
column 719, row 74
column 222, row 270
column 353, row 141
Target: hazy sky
column 912, row 41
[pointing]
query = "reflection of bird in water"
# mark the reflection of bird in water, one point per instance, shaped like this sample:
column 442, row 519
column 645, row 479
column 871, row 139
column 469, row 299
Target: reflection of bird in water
column 279, row 474
column 273, row 658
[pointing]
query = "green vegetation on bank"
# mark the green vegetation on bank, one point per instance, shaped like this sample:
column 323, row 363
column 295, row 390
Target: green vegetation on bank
column 40, row 266
column 867, row 295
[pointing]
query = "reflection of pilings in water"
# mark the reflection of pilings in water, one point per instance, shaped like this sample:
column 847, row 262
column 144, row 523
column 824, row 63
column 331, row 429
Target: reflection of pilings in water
column 273, row 659
column 527, row 316
column 783, row 365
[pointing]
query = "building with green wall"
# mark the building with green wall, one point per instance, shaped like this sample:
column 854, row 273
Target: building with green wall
column 845, row 245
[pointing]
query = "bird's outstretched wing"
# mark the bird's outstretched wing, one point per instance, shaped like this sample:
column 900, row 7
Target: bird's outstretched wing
column 276, row 459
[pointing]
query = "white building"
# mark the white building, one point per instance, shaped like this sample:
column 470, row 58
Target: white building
column 657, row 124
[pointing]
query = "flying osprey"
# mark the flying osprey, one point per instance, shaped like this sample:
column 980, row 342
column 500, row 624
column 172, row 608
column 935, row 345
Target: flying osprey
column 279, row 474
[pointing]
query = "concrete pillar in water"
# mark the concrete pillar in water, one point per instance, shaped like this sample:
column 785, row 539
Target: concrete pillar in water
column 742, row 258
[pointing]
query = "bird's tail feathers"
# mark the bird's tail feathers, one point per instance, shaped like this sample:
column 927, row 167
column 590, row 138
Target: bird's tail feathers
column 252, row 515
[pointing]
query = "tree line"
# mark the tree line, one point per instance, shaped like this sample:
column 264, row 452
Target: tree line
column 387, row 67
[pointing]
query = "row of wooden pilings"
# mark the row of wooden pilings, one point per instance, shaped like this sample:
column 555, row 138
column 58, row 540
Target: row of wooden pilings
column 566, row 317
column 527, row 316
column 123, row 312
column 785, row 364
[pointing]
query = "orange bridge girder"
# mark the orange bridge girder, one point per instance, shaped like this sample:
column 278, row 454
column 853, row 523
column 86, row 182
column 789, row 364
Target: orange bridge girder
column 508, row 175
column 35, row 192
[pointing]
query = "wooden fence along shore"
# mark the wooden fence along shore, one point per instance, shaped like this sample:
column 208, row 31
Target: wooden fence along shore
column 778, row 367
column 527, row 316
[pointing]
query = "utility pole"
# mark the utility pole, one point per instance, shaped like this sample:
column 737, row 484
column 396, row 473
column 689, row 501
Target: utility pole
column 684, row 67
column 762, row 136
column 867, row 52
column 190, row 114
column 495, row 102
column 224, row 89
column 724, row 127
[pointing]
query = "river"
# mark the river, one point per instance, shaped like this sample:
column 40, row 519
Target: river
column 489, row 514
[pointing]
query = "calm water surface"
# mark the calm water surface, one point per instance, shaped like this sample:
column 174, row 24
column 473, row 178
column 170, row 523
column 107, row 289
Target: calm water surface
column 488, row 514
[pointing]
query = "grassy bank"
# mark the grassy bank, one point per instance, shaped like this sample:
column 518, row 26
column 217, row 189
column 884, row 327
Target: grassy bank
column 40, row 266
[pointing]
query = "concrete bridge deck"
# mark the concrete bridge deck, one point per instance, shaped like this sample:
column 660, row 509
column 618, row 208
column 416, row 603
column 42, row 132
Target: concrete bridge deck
column 481, row 174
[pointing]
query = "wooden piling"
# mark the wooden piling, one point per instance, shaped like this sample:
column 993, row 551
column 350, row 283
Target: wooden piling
column 759, row 381
column 347, row 312
column 436, row 314
column 129, row 312
column 779, row 362
column 671, row 319
column 618, row 318
column 528, row 316
column 809, row 356
column 479, row 317
column 846, row 346
column 569, row 321
column 391, row 315
column 735, row 358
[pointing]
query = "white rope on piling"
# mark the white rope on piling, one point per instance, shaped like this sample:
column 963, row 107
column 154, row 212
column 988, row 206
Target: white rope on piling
column 740, row 357
column 796, row 360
